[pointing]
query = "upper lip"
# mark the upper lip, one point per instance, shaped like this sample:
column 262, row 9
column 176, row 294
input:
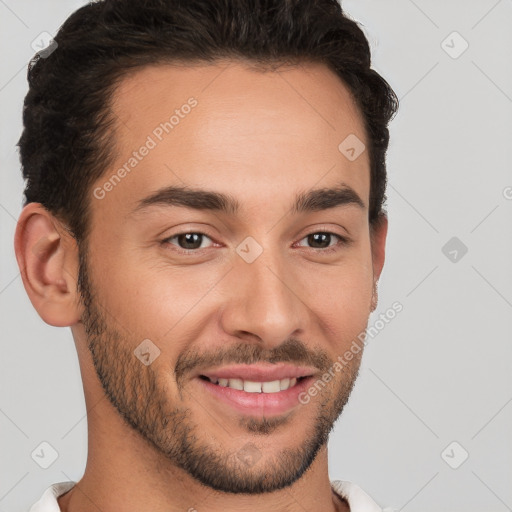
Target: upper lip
column 259, row 372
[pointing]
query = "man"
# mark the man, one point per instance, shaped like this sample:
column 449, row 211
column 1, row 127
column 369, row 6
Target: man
column 204, row 209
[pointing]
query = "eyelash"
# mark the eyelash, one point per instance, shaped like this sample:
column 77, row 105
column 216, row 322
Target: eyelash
column 342, row 242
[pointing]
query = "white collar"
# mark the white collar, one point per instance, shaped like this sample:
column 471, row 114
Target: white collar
column 357, row 499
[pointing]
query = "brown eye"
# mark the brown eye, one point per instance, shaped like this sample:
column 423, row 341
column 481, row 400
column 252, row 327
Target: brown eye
column 319, row 240
column 325, row 241
column 188, row 241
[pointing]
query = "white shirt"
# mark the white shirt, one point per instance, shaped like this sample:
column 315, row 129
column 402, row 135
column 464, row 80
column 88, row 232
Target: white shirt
column 357, row 499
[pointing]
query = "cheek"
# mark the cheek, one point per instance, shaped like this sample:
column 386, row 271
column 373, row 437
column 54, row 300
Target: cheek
column 341, row 297
column 149, row 297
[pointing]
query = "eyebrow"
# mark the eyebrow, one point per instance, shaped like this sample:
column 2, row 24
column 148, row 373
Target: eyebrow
column 200, row 199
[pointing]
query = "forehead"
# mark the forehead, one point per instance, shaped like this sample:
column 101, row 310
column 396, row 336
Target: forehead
column 229, row 126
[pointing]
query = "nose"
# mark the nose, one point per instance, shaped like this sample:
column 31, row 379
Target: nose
column 264, row 302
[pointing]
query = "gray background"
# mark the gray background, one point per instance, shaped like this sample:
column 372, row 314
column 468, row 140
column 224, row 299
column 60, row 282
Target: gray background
column 436, row 374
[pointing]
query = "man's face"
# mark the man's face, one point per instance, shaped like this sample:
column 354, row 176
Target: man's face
column 267, row 293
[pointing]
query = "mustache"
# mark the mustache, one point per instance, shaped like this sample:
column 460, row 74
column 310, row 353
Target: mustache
column 291, row 351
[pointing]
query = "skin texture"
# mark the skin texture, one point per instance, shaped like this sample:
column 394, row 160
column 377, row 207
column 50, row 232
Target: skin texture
column 157, row 440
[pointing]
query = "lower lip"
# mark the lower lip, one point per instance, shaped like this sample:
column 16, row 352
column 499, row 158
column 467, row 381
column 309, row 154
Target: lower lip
column 258, row 404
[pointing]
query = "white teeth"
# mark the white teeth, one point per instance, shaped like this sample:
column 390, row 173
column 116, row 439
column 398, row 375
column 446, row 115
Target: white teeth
column 284, row 384
column 271, row 387
column 250, row 386
column 236, row 384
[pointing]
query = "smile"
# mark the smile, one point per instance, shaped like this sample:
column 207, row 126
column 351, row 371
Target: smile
column 256, row 390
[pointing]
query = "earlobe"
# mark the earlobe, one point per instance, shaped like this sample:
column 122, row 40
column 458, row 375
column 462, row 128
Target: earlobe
column 48, row 261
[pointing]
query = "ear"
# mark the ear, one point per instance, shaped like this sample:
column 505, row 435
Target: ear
column 378, row 234
column 47, row 256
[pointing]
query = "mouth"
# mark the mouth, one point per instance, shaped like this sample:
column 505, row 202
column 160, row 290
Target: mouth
column 257, row 390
